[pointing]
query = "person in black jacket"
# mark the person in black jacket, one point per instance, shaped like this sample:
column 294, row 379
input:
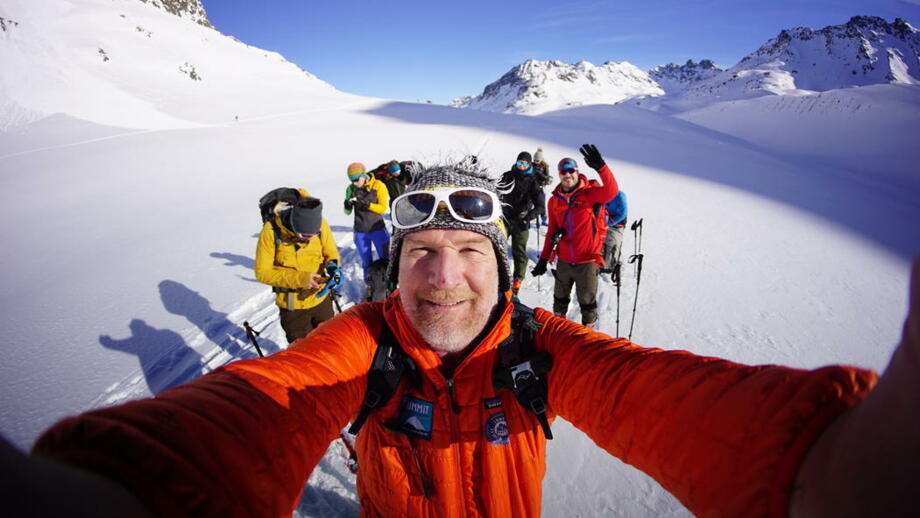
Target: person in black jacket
column 522, row 200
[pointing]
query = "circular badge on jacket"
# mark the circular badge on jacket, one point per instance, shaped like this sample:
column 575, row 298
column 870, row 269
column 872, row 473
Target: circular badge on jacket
column 497, row 430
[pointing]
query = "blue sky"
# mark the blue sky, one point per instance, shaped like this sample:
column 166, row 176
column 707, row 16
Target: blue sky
column 414, row 50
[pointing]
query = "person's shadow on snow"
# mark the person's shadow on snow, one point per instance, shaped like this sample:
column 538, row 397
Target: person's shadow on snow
column 180, row 300
column 165, row 358
column 237, row 260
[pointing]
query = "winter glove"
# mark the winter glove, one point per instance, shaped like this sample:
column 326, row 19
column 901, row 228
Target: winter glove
column 362, row 204
column 539, row 269
column 349, row 204
column 592, row 156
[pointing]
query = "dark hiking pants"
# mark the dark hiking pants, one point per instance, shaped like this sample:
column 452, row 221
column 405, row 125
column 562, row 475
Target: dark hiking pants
column 299, row 322
column 584, row 277
column 519, row 237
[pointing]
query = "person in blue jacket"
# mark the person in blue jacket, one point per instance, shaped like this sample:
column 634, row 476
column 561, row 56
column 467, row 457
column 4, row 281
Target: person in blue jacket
column 613, row 241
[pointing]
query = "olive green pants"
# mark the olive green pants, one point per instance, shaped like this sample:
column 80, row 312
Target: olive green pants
column 519, row 237
column 584, row 277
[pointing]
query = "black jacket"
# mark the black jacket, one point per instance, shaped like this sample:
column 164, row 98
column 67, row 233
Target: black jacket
column 526, row 199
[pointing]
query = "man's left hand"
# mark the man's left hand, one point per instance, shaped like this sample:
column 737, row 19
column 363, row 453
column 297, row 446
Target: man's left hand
column 592, row 156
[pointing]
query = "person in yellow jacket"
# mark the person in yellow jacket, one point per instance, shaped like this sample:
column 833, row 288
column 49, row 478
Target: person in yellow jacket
column 295, row 255
column 728, row 440
column 368, row 198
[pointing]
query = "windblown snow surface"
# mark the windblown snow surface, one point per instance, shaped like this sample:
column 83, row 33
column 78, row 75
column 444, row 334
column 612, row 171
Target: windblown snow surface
column 128, row 247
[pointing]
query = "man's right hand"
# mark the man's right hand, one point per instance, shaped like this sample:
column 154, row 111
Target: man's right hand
column 539, row 269
column 349, row 204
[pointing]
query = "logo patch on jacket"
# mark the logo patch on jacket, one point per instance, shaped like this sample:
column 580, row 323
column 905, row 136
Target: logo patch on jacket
column 492, row 402
column 497, row 430
column 416, row 416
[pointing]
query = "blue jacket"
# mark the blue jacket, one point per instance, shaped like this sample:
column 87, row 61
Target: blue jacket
column 616, row 210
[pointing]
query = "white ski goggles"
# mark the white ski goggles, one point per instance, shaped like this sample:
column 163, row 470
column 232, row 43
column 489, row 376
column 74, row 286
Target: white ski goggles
column 465, row 204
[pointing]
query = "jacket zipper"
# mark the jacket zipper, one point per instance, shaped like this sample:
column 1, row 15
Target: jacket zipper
column 426, row 483
column 455, row 434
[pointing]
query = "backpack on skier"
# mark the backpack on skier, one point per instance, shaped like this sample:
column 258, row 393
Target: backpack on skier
column 273, row 202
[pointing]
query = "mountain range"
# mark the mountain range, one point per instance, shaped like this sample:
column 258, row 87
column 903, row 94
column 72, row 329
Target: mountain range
column 864, row 51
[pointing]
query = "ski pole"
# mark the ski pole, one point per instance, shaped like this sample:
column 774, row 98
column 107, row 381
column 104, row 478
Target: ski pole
column 335, row 300
column 251, row 334
column 616, row 272
column 637, row 241
column 638, row 259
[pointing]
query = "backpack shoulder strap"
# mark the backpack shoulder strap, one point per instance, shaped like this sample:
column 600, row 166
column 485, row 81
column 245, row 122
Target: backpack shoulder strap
column 522, row 369
column 388, row 367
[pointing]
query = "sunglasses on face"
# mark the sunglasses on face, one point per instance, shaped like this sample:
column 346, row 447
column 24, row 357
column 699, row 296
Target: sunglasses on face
column 568, row 171
column 522, row 163
column 465, row 204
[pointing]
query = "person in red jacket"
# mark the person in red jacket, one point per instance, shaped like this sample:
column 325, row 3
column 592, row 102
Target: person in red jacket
column 725, row 439
column 575, row 235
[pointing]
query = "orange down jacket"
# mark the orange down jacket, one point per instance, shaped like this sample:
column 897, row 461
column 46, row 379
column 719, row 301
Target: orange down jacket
column 725, row 439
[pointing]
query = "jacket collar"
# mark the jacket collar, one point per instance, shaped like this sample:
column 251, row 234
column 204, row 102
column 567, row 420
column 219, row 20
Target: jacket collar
column 582, row 182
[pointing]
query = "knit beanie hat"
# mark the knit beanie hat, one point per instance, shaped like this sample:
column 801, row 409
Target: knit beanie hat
column 463, row 174
column 525, row 156
column 305, row 217
column 538, row 156
column 355, row 170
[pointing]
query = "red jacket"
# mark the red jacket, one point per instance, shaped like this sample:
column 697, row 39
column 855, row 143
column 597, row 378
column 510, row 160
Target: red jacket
column 725, row 439
column 574, row 212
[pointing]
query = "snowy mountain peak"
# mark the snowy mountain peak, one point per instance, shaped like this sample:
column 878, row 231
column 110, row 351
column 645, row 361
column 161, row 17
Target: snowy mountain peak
column 535, row 87
column 676, row 78
column 865, row 50
column 191, row 9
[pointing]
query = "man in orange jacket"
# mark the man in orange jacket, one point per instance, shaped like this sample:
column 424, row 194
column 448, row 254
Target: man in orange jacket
column 725, row 439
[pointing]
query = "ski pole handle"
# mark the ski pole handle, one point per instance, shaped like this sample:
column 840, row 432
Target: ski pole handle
column 637, row 259
column 251, row 334
column 330, row 284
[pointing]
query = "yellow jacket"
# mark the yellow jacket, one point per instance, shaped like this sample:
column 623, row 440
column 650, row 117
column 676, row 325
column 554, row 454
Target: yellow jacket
column 288, row 264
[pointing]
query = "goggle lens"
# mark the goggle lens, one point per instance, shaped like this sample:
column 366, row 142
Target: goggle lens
column 411, row 210
column 471, row 205
column 568, row 171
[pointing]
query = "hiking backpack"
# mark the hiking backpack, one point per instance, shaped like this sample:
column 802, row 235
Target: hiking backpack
column 521, row 369
column 268, row 202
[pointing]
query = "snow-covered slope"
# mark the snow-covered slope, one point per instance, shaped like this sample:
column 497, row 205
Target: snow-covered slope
column 535, row 87
column 128, row 255
column 866, row 50
column 139, row 64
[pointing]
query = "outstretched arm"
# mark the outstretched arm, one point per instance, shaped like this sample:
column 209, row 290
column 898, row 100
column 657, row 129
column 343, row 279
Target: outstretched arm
column 725, row 439
column 868, row 462
column 238, row 442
